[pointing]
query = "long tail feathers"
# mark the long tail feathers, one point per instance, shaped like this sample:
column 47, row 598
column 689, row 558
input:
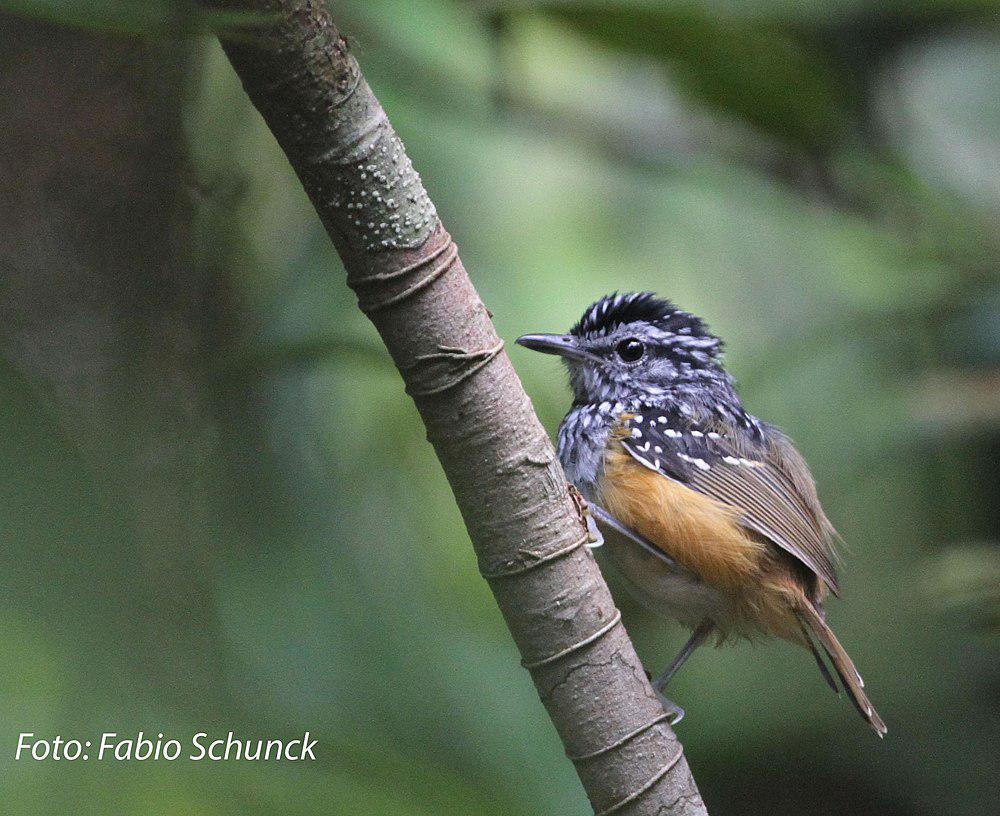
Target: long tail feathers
column 842, row 663
column 819, row 660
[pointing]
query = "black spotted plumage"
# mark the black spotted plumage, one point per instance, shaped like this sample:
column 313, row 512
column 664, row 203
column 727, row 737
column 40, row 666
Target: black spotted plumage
column 743, row 470
column 616, row 310
column 658, row 442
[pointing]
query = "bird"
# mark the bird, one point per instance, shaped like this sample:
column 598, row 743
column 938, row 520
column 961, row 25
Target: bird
column 709, row 513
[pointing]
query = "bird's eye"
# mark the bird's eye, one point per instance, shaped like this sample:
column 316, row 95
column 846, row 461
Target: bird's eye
column 630, row 350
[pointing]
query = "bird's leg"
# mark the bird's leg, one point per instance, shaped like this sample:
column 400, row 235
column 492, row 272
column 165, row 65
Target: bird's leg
column 703, row 630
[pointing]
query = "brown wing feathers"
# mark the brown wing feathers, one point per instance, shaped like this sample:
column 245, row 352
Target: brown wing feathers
column 772, row 508
column 767, row 483
column 764, row 479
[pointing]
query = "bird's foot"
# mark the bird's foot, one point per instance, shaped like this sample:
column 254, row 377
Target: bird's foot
column 674, row 711
column 671, row 708
column 594, row 537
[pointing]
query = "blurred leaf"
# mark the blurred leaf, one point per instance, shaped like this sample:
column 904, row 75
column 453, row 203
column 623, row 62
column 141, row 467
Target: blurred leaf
column 439, row 39
column 934, row 223
column 754, row 73
column 773, row 11
column 940, row 102
column 142, row 17
column 958, row 402
column 757, row 73
column 966, row 579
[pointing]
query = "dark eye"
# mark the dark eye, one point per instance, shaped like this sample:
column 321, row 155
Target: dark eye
column 630, row 350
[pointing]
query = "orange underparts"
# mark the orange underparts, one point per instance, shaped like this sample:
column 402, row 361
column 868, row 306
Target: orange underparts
column 696, row 531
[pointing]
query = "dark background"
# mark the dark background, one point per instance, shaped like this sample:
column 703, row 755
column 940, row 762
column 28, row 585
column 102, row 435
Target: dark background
column 217, row 507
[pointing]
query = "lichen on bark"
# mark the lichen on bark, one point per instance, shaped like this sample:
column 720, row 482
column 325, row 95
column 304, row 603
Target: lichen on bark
column 372, row 183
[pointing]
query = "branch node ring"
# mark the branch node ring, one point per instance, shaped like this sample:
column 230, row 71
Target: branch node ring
column 587, row 641
column 645, row 786
column 538, row 562
column 618, row 743
column 446, row 256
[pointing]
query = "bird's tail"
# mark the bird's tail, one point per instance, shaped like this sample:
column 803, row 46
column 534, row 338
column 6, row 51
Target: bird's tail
column 849, row 677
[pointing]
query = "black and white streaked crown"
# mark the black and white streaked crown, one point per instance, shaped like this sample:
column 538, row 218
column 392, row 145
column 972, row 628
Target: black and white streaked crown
column 615, row 310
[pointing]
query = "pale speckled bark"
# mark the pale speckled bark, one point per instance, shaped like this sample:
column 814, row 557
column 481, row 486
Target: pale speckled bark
column 498, row 460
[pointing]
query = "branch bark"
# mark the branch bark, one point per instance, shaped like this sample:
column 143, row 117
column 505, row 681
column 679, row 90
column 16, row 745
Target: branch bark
column 527, row 533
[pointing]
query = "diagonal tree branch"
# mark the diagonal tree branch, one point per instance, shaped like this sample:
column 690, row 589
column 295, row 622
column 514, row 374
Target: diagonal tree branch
column 526, row 530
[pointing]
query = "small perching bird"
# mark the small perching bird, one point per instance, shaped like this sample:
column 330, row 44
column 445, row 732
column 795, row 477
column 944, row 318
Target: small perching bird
column 710, row 514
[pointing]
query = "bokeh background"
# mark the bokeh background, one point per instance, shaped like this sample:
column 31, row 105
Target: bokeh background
column 217, row 506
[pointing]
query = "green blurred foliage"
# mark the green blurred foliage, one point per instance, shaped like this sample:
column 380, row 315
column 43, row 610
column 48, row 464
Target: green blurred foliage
column 147, row 18
column 820, row 180
column 757, row 73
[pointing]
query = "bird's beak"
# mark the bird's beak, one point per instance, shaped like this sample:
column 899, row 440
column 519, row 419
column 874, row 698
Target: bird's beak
column 563, row 345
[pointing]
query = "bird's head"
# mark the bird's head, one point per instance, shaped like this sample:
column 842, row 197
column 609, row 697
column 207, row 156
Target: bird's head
column 633, row 347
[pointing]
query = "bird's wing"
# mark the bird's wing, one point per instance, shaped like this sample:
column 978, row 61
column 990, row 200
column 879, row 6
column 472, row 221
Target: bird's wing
column 766, row 480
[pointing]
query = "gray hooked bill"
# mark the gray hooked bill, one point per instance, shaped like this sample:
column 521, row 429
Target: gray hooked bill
column 563, row 345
